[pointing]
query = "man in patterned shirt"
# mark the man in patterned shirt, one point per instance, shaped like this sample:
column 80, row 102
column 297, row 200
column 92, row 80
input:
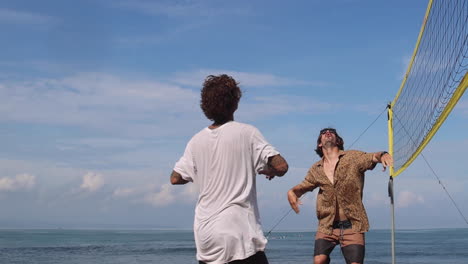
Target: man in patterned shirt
column 340, row 176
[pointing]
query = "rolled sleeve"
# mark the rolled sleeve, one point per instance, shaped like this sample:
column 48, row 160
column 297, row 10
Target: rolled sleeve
column 262, row 150
column 309, row 183
column 364, row 161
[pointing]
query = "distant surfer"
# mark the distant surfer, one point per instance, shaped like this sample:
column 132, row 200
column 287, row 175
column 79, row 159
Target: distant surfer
column 223, row 160
column 340, row 176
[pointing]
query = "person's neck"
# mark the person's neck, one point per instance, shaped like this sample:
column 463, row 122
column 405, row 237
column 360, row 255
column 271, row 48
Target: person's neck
column 218, row 124
column 330, row 154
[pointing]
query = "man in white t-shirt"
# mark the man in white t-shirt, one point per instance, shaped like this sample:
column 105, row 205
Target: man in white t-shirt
column 223, row 160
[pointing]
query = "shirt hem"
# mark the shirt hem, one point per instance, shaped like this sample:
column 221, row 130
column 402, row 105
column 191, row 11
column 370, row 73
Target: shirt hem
column 236, row 257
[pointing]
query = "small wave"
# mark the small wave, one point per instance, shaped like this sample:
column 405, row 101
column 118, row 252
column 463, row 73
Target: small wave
column 120, row 249
column 176, row 250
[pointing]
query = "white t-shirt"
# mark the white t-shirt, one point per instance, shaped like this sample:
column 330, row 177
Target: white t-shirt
column 223, row 162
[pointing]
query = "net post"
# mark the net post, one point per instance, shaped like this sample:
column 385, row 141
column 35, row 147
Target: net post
column 390, row 133
column 392, row 210
column 390, row 182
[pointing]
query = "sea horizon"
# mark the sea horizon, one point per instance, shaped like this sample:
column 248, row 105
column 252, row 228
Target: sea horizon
column 164, row 246
column 191, row 229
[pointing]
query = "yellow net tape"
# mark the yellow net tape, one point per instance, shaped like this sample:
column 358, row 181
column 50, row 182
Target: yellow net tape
column 434, row 82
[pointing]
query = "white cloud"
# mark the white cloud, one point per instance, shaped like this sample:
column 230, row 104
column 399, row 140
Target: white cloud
column 376, row 200
column 196, row 78
column 123, row 192
column 162, row 198
column 264, row 106
column 22, row 17
column 98, row 143
column 156, row 194
column 183, row 8
column 20, row 181
column 92, row 182
column 125, row 106
column 96, row 100
column 407, row 198
column 162, row 37
column 43, row 66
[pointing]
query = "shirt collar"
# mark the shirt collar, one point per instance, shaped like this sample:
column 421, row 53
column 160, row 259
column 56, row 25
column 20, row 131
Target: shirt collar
column 341, row 153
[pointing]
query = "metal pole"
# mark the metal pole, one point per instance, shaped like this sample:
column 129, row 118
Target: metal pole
column 392, row 208
column 390, row 182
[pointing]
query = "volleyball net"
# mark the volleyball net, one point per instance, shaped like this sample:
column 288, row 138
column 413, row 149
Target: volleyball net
column 435, row 80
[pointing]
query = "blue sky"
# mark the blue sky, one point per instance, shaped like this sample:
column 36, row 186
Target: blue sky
column 98, row 99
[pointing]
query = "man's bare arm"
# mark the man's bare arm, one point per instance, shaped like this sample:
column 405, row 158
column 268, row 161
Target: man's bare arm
column 276, row 166
column 279, row 164
column 176, row 178
column 296, row 192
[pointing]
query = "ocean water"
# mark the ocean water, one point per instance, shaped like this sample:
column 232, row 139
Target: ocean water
column 174, row 247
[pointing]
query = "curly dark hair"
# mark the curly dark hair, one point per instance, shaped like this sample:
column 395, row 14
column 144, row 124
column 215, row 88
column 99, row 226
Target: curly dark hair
column 339, row 141
column 220, row 97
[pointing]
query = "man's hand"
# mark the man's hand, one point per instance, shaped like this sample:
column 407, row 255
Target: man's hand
column 276, row 166
column 294, row 201
column 176, row 178
column 269, row 172
column 384, row 158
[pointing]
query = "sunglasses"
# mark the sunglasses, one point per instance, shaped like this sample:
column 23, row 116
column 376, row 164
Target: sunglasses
column 325, row 130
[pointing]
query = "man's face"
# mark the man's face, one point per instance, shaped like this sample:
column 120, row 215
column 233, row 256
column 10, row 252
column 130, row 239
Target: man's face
column 328, row 137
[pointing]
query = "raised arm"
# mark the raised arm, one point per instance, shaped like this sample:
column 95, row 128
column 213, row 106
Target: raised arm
column 176, row 178
column 276, row 166
column 384, row 158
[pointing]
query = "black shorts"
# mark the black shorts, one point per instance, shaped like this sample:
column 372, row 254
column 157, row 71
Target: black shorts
column 352, row 244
